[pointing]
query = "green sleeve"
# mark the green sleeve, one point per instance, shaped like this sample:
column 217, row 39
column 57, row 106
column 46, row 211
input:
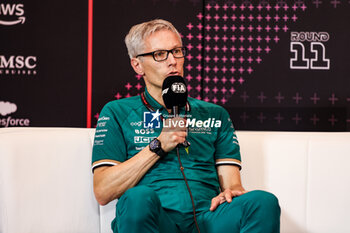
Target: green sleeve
column 226, row 144
column 109, row 142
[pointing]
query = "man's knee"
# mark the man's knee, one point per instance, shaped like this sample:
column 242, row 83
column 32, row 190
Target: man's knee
column 264, row 200
column 263, row 196
column 139, row 197
column 261, row 212
column 139, row 207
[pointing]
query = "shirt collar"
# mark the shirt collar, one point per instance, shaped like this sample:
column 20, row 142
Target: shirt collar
column 152, row 101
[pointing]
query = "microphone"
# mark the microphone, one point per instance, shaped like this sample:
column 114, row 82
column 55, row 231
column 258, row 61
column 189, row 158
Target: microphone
column 174, row 93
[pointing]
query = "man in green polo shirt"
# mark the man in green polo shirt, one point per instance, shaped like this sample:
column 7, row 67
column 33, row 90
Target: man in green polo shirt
column 135, row 157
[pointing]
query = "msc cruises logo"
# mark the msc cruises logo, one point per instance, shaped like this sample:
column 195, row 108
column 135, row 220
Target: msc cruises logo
column 18, row 65
column 11, row 14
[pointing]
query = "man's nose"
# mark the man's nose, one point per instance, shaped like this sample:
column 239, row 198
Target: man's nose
column 171, row 59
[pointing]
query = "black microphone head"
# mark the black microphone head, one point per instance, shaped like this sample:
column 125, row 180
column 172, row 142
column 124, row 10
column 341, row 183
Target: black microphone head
column 174, row 92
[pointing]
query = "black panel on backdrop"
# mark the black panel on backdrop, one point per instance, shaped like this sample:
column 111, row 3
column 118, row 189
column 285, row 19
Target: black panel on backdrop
column 304, row 76
column 275, row 65
column 113, row 77
column 43, row 47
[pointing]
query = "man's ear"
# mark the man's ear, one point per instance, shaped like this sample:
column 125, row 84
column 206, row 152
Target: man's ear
column 137, row 66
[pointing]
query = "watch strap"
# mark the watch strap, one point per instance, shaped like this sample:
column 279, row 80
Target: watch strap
column 161, row 153
column 158, row 149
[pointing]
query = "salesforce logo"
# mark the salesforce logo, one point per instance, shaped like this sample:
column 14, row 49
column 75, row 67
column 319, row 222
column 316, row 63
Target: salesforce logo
column 7, row 108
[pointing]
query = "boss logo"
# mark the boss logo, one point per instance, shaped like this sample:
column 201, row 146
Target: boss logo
column 144, row 131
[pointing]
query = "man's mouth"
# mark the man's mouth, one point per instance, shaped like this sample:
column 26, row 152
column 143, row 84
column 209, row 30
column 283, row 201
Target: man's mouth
column 173, row 73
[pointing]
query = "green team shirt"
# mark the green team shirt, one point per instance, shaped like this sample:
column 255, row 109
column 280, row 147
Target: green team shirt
column 126, row 126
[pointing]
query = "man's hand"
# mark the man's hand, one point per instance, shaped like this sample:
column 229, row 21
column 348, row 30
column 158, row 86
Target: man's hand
column 173, row 134
column 226, row 195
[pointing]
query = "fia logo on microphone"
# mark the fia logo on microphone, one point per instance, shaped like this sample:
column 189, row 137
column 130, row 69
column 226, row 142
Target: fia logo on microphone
column 178, row 88
column 151, row 119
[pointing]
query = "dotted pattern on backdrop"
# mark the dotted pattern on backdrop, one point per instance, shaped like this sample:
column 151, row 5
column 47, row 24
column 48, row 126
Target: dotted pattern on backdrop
column 227, row 42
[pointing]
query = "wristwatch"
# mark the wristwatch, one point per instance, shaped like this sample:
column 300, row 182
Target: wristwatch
column 155, row 146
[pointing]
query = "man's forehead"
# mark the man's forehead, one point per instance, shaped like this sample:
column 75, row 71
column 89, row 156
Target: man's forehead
column 162, row 39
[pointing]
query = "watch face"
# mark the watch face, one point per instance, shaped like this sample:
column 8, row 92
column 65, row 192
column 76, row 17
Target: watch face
column 155, row 144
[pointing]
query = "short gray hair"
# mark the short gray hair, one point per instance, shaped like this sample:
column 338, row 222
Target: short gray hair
column 134, row 40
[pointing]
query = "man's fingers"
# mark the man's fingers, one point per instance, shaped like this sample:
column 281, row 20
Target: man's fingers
column 179, row 137
column 214, row 203
column 228, row 197
column 218, row 200
column 222, row 200
column 236, row 193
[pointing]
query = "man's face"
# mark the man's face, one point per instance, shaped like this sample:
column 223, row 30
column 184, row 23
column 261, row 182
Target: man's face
column 155, row 72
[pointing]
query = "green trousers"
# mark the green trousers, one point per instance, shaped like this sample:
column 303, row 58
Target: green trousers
column 139, row 211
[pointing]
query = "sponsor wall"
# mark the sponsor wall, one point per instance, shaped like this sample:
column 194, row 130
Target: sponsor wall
column 43, row 47
column 274, row 65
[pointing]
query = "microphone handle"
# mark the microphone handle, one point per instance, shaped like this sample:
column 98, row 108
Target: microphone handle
column 176, row 113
